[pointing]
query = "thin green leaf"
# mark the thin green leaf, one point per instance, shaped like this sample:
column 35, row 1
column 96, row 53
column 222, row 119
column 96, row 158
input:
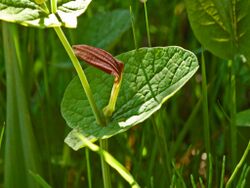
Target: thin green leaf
column 193, row 181
column 237, row 168
column 39, row 180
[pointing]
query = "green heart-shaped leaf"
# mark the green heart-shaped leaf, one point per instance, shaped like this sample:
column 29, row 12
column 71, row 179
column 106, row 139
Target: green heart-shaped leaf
column 29, row 13
column 222, row 27
column 151, row 76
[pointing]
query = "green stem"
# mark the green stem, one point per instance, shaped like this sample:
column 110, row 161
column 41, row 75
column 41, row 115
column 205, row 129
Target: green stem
column 237, row 168
column 133, row 27
column 105, row 167
column 188, row 126
column 43, row 58
column 53, row 4
column 88, row 168
column 110, row 108
column 222, row 171
column 147, row 24
column 98, row 115
column 160, row 135
column 206, row 118
column 233, row 128
column 45, row 8
column 110, row 160
column 81, row 75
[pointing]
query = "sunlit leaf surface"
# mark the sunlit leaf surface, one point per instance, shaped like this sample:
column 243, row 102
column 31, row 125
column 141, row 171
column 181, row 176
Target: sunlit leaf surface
column 151, row 76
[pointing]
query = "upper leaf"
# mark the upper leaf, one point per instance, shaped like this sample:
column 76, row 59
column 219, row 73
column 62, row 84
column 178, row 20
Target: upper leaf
column 151, row 76
column 103, row 29
column 222, row 27
column 28, row 13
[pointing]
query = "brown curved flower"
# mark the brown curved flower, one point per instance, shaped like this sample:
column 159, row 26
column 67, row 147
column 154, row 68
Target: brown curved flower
column 100, row 59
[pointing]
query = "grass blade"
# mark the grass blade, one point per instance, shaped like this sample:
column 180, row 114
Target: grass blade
column 146, row 20
column 20, row 150
column 222, row 171
column 233, row 127
column 192, row 181
column 1, row 137
column 40, row 180
column 206, row 119
column 237, row 168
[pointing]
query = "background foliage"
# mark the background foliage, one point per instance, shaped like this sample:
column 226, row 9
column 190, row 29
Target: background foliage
column 46, row 72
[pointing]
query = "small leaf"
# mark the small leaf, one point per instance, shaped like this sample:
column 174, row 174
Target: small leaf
column 150, row 77
column 222, row 27
column 29, row 13
column 243, row 118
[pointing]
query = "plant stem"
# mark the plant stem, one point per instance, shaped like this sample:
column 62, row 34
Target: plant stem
column 147, row 24
column 187, row 126
column 88, row 168
column 206, row 118
column 233, row 128
column 41, row 43
column 45, row 8
column 98, row 115
column 160, row 135
column 105, row 167
column 53, row 4
column 110, row 108
column 133, row 27
column 81, row 76
column 110, row 160
column 222, row 171
column 229, row 182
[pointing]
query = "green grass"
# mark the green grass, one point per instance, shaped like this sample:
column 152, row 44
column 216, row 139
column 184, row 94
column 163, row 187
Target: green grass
column 163, row 151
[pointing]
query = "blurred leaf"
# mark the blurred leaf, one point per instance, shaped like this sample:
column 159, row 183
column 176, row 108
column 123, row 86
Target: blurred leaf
column 21, row 153
column 39, row 180
column 243, row 118
column 222, row 27
column 151, row 76
column 103, row 29
column 28, row 13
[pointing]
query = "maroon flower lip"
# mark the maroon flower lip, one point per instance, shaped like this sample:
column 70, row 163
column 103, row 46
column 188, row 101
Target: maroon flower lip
column 100, row 59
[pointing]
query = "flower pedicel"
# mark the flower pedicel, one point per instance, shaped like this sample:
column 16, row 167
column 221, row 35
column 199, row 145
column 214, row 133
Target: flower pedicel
column 104, row 61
